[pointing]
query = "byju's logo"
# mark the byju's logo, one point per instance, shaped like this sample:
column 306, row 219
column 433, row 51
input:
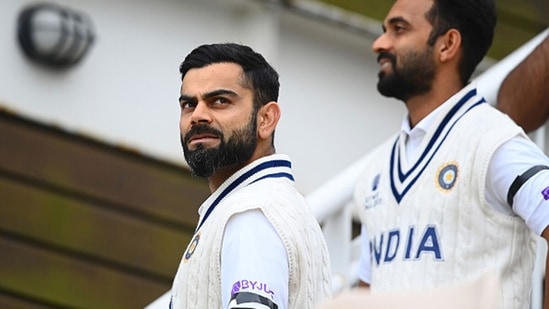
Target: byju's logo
column 243, row 285
column 545, row 193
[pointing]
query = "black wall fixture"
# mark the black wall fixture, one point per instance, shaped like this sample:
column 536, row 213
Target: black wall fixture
column 54, row 35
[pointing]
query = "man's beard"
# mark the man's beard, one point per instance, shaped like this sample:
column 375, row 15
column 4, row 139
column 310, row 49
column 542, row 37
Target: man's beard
column 204, row 162
column 414, row 77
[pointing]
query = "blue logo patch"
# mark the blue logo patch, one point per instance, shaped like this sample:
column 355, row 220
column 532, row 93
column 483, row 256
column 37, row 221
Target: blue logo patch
column 191, row 248
column 374, row 198
column 375, row 182
column 447, row 176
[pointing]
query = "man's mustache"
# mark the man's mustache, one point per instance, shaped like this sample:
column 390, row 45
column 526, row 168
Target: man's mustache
column 386, row 55
column 201, row 129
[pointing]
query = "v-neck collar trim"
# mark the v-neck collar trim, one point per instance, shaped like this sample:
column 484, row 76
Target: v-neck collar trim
column 402, row 180
column 273, row 166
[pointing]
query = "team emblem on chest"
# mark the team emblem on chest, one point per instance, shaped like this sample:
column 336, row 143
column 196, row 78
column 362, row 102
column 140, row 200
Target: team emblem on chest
column 446, row 176
column 191, row 248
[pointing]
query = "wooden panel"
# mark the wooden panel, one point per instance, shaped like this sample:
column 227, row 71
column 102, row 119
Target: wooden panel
column 88, row 225
column 94, row 232
column 66, row 282
column 13, row 302
column 84, row 167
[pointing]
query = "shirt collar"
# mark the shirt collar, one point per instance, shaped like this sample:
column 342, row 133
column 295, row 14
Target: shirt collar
column 425, row 124
column 275, row 165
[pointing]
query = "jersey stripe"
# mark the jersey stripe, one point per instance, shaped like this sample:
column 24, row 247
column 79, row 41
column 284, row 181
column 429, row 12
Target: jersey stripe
column 402, row 181
column 247, row 297
column 266, row 169
column 520, row 180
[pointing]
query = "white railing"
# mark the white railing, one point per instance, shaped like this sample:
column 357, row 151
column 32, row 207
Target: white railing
column 333, row 206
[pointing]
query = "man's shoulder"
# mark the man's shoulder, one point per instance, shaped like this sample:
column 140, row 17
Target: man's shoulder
column 264, row 192
column 487, row 117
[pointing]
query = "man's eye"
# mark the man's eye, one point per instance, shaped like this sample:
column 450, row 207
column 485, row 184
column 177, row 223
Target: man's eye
column 186, row 105
column 399, row 28
column 220, row 101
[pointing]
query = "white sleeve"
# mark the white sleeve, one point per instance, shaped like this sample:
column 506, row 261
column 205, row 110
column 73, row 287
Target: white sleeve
column 531, row 202
column 254, row 264
column 512, row 159
column 365, row 265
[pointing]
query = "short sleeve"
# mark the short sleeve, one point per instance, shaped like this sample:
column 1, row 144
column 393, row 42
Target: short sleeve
column 254, row 263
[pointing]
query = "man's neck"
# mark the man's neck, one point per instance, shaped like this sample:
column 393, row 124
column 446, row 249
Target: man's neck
column 224, row 173
column 422, row 105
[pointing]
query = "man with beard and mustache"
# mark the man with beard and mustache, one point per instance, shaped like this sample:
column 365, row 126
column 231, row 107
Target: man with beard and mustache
column 257, row 244
column 460, row 191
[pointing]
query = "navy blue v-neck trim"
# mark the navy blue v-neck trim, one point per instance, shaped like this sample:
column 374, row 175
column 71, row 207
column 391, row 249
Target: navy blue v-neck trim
column 401, row 181
column 247, row 178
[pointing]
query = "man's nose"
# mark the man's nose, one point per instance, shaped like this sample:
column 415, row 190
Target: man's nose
column 201, row 114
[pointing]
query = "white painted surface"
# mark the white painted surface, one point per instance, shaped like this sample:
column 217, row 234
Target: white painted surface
column 125, row 90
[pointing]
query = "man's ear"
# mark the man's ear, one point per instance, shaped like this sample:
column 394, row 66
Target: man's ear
column 267, row 119
column 448, row 45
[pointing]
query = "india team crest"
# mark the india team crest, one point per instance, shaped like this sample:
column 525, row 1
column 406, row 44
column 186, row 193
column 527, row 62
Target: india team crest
column 447, row 176
column 191, row 248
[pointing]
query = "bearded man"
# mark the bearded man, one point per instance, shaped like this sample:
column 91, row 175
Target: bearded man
column 257, row 244
column 461, row 190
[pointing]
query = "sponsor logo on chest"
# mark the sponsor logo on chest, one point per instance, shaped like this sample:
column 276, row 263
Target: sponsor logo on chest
column 373, row 197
